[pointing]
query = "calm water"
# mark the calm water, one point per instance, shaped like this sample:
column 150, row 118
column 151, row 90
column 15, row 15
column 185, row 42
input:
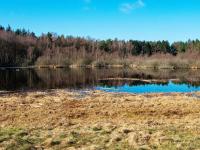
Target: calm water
column 110, row 80
column 151, row 88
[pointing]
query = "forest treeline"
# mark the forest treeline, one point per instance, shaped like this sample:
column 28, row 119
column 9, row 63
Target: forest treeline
column 21, row 47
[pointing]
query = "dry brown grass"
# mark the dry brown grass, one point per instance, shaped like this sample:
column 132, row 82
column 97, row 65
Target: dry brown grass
column 98, row 120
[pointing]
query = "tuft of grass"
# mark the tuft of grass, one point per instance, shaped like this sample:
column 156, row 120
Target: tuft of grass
column 55, row 142
column 97, row 129
column 4, row 138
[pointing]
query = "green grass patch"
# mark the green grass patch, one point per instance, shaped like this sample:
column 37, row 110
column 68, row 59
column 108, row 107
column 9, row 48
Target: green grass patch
column 16, row 138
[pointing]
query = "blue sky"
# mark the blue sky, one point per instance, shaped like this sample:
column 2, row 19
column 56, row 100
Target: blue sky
column 172, row 20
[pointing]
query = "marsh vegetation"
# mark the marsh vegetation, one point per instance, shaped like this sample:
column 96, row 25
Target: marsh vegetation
column 98, row 120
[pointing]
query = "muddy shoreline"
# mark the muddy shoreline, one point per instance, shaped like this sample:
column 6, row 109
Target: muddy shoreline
column 59, row 119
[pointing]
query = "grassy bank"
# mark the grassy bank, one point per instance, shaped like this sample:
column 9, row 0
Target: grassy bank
column 98, row 120
column 159, row 61
column 140, row 64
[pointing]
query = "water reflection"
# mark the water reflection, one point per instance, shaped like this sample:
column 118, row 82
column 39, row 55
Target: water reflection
column 42, row 79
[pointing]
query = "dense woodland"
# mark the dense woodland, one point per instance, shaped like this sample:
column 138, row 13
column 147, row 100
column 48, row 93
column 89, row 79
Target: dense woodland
column 23, row 48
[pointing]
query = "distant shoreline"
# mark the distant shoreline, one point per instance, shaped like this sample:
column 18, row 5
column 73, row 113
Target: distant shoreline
column 106, row 66
column 23, row 48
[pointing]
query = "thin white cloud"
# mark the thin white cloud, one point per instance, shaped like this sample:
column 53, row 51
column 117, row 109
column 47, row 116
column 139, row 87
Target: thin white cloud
column 128, row 7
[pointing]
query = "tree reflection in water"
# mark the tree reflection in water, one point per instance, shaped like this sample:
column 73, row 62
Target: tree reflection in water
column 42, row 79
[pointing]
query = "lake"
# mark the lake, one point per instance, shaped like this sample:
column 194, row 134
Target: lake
column 109, row 80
